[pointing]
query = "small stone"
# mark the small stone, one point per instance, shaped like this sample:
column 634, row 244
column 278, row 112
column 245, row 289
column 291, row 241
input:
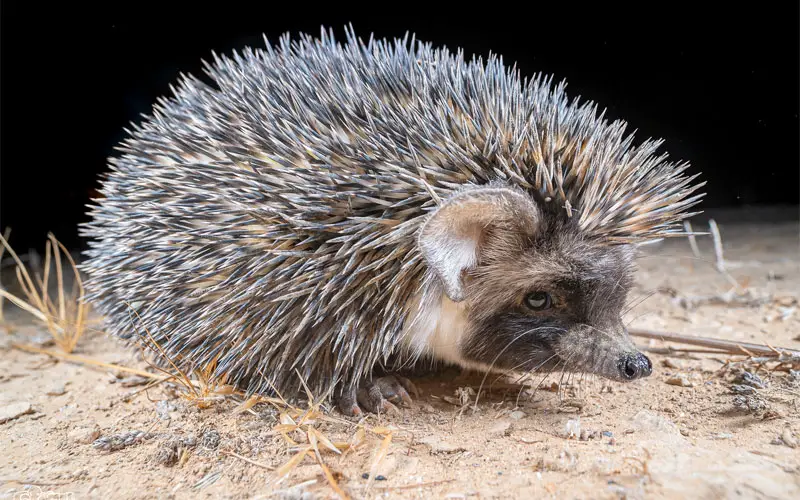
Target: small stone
column 438, row 446
column 649, row 421
column 210, row 439
column 500, row 429
column 56, row 391
column 608, row 434
column 751, row 379
column 120, row 441
column 517, row 415
column 133, row 381
column 14, row 410
column 722, row 435
column 788, row 438
column 743, row 389
column 572, row 428
column 749, row 403
column 163, row 408
column 668, row 363
column 680, row 381
column 85, row 435
column 167, row 454
column 365, row 475
column 380, row 478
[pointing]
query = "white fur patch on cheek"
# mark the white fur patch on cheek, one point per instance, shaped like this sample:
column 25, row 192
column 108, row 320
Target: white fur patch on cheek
column 438, row 329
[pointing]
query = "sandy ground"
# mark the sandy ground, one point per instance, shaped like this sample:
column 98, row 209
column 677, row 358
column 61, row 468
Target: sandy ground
column 77, row 431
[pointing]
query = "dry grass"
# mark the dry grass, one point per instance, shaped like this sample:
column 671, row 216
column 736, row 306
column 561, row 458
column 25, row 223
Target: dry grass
column 6, row 235
column 65, row 315
column 299, row 427
column 202, row 391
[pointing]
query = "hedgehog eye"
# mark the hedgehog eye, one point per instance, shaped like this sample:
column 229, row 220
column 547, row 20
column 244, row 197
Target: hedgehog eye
column 538, row 301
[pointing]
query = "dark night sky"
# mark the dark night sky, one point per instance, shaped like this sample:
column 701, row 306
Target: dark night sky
column 720, row 86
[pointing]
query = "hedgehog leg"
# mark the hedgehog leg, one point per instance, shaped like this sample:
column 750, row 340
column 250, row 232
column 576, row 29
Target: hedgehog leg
column 378, row 396
column 348, row 403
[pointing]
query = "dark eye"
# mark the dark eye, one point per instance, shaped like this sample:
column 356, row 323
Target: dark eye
column 538, row 301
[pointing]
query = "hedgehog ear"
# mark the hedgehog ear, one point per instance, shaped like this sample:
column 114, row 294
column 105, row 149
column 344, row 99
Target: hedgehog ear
column 454, row 239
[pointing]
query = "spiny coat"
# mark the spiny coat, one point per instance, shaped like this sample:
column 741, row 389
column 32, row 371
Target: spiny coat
column 266, row 221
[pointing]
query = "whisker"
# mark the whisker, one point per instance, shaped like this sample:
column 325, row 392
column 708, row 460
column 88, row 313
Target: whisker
column 563, row 372
column 628, row 323
column 544, row 377
column 531, row 372
column 630, row 306
column 491, row 366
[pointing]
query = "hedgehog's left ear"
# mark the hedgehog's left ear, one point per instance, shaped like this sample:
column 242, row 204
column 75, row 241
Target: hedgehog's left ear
column 454, row 238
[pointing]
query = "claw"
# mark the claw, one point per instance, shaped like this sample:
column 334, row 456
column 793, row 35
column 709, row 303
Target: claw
column 378, row 396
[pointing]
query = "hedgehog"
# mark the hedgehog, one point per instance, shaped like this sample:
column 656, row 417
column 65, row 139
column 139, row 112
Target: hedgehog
column 322, row 214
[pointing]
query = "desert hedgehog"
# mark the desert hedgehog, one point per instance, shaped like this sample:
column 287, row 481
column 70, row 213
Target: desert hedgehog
column 318, row 210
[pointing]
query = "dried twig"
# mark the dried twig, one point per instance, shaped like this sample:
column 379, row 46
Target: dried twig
column 249, row 461
column 726, row 346
column 6, row 235
column 430, row 484
column 687, row 226
column 720, row 259
column 717, row 239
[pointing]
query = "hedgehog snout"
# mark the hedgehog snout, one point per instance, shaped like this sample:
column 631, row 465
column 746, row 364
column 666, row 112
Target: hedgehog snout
column 635, row 366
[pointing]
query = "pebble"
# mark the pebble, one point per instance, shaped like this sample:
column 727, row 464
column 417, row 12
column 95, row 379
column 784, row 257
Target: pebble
column 572, row 429
column 14, row 410
column 133, row 381
column 210, row 439
column 438, row 446
column 788, row 438
column 517, row 415
column 680, row 381
column 56, row 391
column 85, row 436
column 501, row 428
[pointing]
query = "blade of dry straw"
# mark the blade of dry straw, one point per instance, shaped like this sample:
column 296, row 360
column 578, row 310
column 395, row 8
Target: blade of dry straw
column 382, row 452
column 24, row 305
column 249, row 461
column 81, row 306
column 247, row 404
column 21, row 268
column 293, row 462
column 187, row 381
column 6, row 235
column 62, row 311
column 312, row 439
column 83, row 360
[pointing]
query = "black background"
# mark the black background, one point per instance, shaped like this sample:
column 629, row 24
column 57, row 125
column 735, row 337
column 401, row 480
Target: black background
column 721, row 85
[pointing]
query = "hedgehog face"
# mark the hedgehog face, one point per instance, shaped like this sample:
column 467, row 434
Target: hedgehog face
column 525, row 290
column 555, row 305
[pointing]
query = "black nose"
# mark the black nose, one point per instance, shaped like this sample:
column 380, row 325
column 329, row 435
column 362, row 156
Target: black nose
column 636, row 366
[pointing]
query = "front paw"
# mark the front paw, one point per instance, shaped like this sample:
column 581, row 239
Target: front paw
column 378, row 395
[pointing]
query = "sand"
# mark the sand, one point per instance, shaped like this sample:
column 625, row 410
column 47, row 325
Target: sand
column 87, row 432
